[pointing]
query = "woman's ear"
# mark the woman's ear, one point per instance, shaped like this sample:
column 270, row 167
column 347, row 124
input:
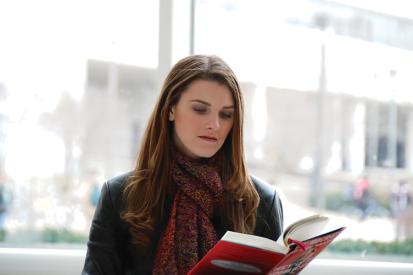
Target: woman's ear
column 172, row 114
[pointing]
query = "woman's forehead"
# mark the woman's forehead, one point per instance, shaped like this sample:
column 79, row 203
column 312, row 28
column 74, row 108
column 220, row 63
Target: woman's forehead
column 208, row 92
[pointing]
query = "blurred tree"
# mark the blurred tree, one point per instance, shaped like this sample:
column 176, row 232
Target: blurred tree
column 64, row 121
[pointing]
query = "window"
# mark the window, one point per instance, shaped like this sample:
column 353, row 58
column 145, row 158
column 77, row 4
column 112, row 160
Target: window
column 328, row 109
column 327, row 87
column 74, row 79
column 386, row 127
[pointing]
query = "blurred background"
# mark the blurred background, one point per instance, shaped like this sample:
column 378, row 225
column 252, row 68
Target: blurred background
column 327, row 88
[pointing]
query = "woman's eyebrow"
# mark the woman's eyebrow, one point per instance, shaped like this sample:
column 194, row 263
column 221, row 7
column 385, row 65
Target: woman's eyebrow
column 209, row 104
column 201, row 101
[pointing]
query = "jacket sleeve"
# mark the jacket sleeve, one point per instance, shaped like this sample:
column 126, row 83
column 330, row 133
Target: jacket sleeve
column 102, row 255
column 270, row 217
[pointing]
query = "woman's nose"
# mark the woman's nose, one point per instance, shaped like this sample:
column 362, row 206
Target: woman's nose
column 214, row 122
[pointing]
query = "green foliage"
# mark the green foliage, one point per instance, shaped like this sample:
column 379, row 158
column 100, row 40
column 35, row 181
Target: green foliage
column 335, row 201
column 53, row 235
column 343, row 203
column 373, row 247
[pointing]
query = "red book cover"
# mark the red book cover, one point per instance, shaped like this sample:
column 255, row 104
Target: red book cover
column 238, row 253
column 232, row 258
column 300, row 256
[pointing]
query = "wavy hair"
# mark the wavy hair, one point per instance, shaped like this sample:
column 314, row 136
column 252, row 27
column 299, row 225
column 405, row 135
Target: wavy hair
column 146, row 193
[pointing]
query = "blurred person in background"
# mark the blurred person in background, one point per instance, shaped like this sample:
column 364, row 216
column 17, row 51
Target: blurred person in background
column 361, row 195
column 94, row 187
column 91, row 191
column 400, row 205
column 365, row 200
column 190, row 183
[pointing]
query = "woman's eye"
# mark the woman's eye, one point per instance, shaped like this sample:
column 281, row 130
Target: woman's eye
column 199, row 110
column 226, row 115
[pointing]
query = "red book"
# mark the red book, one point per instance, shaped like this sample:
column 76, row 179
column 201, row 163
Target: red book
column 238, row 253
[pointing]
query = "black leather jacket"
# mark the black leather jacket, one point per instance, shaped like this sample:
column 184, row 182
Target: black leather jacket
column 110, row 250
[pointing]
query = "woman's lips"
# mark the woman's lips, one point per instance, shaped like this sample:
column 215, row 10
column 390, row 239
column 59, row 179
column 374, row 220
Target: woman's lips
column 209, row 139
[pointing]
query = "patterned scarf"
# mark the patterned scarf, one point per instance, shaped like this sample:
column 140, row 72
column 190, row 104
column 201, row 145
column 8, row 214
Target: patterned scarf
column 190, row 233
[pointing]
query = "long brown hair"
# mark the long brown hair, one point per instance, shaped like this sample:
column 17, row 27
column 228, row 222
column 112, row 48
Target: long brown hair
column 147, row 190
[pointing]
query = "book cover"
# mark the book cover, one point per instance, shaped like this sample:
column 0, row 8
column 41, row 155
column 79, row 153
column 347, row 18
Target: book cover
column 238, row 253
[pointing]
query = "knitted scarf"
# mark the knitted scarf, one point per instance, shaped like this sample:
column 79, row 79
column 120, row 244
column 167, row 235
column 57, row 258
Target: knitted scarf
column 189, row 233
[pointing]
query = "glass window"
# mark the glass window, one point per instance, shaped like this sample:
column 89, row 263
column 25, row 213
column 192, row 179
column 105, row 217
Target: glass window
column 327, row 87
column 72, row 79
column 329, row 116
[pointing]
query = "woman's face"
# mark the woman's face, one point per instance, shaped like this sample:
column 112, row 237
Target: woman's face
column 202, row 118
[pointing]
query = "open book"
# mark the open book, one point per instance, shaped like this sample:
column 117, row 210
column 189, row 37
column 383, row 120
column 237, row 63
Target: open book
column 238, row 253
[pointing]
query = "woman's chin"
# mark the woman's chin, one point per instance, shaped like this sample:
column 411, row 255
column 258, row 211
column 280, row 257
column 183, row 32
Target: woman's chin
column 205, row 154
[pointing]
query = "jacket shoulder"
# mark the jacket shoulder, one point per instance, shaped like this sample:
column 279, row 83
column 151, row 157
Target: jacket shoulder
column 116, row 186
column 265, row 190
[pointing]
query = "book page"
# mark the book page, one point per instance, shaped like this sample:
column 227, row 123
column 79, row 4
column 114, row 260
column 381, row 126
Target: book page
column 254, row 241
column 305, row 229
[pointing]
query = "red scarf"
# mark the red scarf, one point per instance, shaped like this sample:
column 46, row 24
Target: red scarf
column 190, row 233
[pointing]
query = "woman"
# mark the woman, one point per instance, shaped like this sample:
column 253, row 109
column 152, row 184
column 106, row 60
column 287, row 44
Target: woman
column 190, row 184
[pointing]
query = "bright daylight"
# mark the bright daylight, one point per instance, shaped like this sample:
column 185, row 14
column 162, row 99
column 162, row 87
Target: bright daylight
column 327, row 129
